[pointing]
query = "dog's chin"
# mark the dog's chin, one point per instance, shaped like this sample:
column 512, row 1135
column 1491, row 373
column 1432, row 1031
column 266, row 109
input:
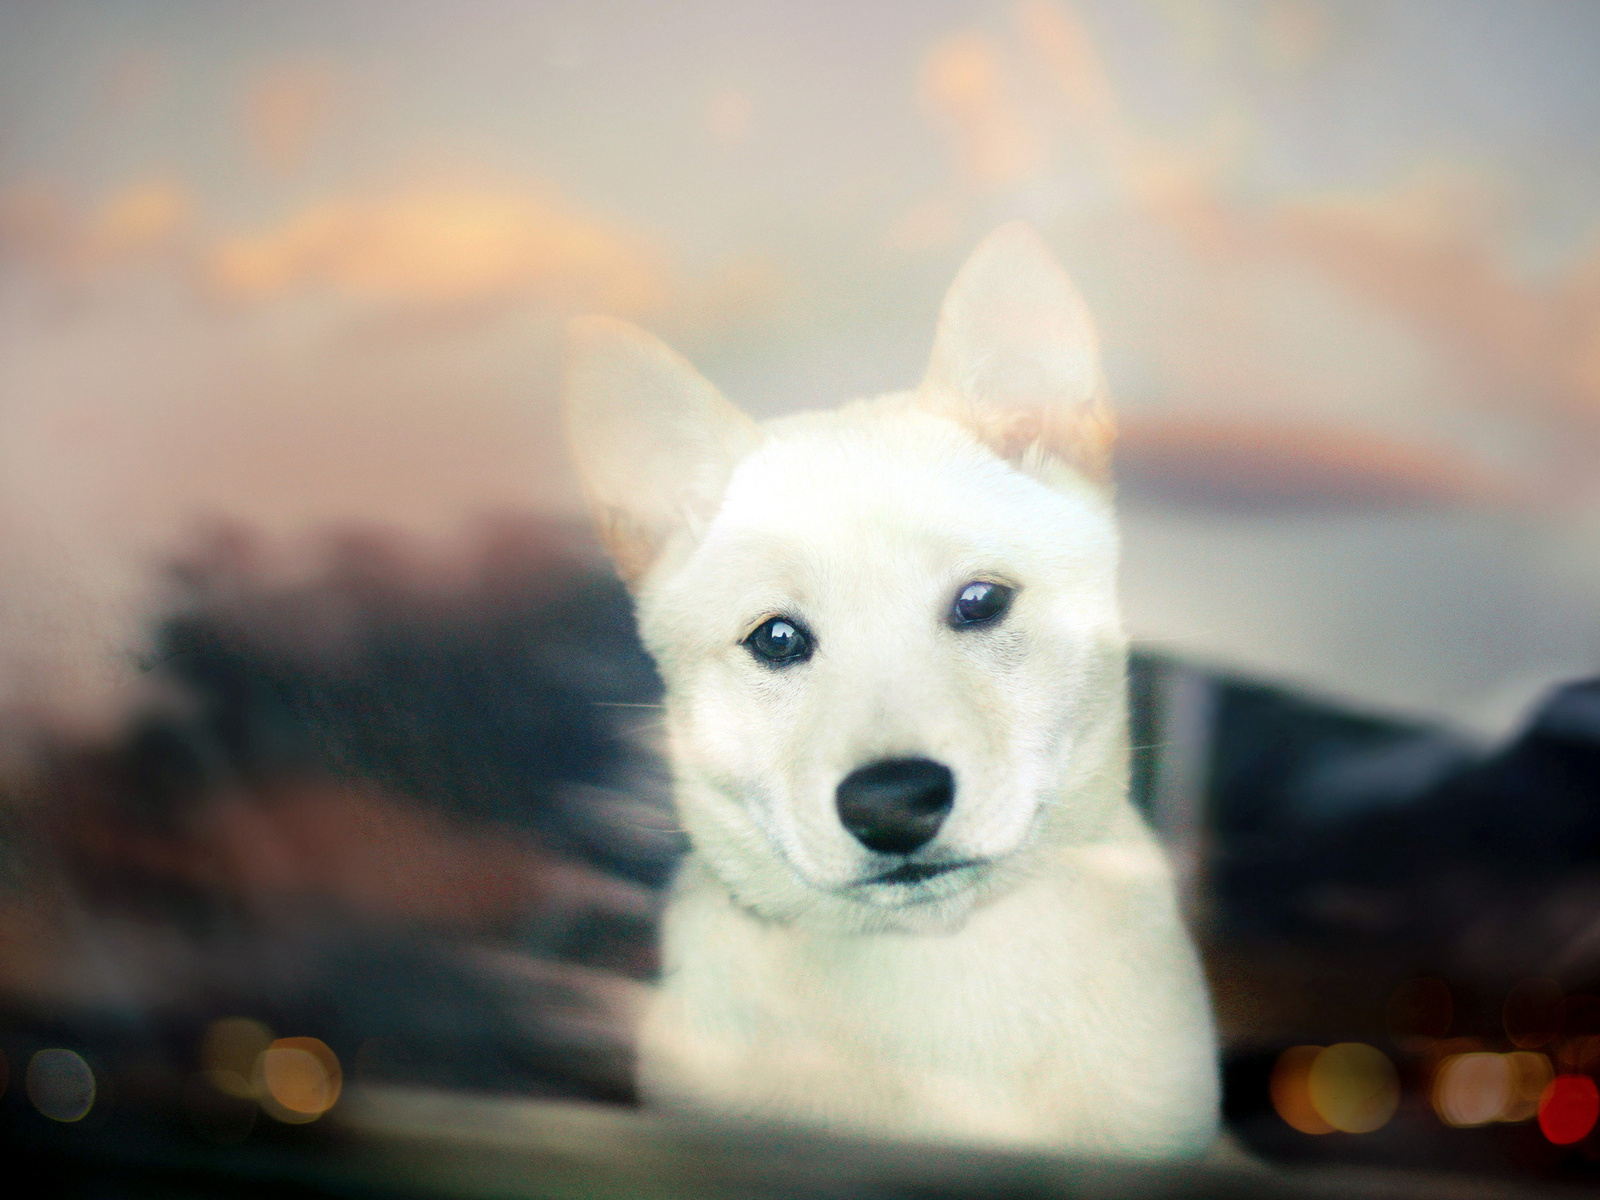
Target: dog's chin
column 920, row 898
column 914, row 885
column 906, row 902
column 865, row 894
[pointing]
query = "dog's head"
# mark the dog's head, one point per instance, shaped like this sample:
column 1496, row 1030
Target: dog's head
column 888, row 632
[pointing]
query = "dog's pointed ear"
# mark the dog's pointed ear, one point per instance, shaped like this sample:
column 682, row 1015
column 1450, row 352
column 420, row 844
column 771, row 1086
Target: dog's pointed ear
column 653, row 440
column 1016, row 360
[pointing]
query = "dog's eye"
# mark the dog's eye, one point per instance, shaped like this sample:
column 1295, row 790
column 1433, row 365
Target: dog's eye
column 780, row 641
column 979, row 601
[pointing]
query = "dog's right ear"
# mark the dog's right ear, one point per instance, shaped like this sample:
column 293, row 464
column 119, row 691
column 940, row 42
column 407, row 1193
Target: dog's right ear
column 1016, row 360
column 653, row 440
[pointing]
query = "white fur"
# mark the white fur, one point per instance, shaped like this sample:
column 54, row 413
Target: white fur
column 1047, row 996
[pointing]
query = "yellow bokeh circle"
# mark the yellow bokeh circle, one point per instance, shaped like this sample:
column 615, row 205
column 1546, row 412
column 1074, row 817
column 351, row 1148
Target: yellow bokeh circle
column 1350, row 1088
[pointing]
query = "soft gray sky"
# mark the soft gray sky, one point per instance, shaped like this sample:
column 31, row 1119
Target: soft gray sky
column 302, row 263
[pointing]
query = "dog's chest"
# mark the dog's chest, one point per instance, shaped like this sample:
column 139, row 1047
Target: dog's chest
column 993, row 992
column 1062, row 1006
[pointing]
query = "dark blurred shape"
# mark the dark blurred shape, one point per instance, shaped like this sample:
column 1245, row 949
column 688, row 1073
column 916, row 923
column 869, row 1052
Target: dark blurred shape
column 1285, row 772
column 220, row 1106
column 409, row 801
column 1361, row 878
column 1533, row 1012
column 493, row 692
column 1334, row 825
column 1531, row 808
column 1420, row 1009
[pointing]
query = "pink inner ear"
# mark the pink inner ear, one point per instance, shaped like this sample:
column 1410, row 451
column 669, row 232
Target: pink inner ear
column 1078, row 435
column 1016, row 359
column 630, row 548
column 1084, row 438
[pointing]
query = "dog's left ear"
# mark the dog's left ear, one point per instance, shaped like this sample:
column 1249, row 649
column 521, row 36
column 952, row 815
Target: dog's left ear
column 1016, row 360
column 654, row 442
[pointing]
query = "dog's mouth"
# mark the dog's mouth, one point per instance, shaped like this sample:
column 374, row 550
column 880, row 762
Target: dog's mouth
column 911, row 873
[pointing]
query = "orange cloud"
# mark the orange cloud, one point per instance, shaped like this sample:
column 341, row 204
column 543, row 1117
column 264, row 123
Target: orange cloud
column 1429, row 254
column 444, row 246
column 1253, row 465
column 139, row 217
column 1064, row 44
column 963, row 85
column 39, row 226
column 1043, row 94
column 285, row 109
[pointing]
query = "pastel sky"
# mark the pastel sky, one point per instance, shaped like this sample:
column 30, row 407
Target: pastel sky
column 301, row 264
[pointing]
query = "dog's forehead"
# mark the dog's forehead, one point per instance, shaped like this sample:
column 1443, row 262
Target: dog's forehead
column 902, row 467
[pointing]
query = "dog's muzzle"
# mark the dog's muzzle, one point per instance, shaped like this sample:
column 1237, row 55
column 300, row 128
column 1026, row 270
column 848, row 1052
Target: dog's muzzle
column 896, row 805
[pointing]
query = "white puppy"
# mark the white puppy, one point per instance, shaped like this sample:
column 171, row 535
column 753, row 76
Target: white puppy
column 918, row 900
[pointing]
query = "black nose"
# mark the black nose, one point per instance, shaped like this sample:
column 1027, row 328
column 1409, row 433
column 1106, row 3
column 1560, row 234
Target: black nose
column 896, row 805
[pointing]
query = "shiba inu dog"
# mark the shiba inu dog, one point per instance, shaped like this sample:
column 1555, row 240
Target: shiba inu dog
column 918, row 901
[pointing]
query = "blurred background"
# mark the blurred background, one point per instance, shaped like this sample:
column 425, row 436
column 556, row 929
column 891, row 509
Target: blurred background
column 320, row 715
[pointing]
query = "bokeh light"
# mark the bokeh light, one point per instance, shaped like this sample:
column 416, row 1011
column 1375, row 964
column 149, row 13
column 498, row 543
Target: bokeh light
column 1472, row 1089
column 1291, row 1096
column 61, row 1085
column 229, row 1051
column 1579, row 1055
column 1568, row 1109
column 1476, row 1087
column 1533, row 1013
column 1353, row 1087
column 297, row 1079
column 1530, row 1074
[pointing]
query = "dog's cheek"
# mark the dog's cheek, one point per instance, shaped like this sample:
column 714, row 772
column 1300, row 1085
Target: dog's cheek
column 739, row 737
column 730, row 739
column 981, row 727
column 1055, row 706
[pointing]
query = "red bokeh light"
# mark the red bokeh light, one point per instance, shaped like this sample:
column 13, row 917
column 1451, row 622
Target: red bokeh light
column 1569, row 1108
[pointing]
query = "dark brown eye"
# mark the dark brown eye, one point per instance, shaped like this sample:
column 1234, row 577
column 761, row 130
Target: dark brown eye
column 979, row 601
column 779, row 641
